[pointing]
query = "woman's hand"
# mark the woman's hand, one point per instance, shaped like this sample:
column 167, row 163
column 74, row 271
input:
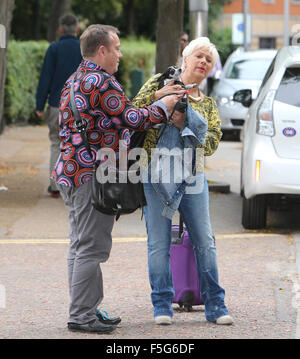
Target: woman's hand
column 170, row 88
column 171, row 100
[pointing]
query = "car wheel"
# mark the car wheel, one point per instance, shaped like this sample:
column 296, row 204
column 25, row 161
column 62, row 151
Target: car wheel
column 254, row 212
column 241, row 177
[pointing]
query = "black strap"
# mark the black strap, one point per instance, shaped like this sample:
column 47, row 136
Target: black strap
column 79, row 124
column 180, row 226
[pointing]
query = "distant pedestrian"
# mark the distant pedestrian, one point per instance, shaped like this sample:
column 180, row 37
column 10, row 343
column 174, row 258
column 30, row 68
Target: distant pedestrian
column 210, row 78
column 108, row 116
column 61, row 60
column 184, row 41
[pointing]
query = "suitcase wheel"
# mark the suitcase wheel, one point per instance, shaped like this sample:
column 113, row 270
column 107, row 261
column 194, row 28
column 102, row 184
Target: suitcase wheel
column 187, row 307
column 186, row 301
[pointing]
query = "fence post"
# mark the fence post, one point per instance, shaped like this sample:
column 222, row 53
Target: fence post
column 137, row 80
column 2, row 297
column 2, row 37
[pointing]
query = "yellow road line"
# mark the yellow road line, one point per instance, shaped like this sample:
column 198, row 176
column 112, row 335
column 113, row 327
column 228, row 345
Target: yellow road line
column 61, row 241
column 129, row 239
column 247, row 235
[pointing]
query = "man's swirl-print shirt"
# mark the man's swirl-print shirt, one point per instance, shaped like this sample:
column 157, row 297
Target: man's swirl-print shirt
column 108, row 115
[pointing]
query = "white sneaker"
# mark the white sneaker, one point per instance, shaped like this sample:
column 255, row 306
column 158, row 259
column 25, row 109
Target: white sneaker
column 224, row 320
column 163, row 320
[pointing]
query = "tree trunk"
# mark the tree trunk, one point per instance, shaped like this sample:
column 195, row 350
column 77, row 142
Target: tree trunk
column 169, row 27
column 36, row 23
column 6, row 9
column 59, row 8
column 130, row 17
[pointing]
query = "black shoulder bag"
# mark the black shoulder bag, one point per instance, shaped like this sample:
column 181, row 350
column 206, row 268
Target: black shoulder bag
column 120, row 197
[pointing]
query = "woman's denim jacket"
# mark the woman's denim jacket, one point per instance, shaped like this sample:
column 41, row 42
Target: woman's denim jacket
column 171, row 171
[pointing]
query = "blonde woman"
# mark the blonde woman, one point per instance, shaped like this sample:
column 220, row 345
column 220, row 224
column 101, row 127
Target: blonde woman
column 199, row 58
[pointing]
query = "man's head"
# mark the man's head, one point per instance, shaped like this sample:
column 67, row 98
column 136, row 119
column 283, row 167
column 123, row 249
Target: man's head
column 101, row 44
column 68, row 24
column 184, row 40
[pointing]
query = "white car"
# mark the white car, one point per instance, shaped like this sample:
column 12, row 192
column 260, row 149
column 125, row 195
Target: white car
column 270, row 161
column 242, row 70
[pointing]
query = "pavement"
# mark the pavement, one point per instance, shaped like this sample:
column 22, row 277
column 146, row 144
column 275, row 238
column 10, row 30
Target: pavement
column 258, row 269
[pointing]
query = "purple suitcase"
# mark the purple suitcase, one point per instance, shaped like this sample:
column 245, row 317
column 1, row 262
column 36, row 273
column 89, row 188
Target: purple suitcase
column 184, row 270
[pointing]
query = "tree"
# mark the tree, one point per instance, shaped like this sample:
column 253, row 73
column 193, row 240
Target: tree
column 169, row 27
column 220, row 37
column 59, row 8
column 6, row 9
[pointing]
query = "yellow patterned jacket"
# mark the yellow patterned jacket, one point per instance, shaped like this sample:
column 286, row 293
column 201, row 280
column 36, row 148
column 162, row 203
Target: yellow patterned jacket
column 207, row 108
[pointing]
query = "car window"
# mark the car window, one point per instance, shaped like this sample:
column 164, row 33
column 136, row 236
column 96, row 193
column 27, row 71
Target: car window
column 248, row 69
column 268, row 73
column 289, row 88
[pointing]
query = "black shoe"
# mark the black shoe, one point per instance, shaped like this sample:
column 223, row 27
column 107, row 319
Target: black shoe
column 104, row 318
column 54, row 194
column 92, row 327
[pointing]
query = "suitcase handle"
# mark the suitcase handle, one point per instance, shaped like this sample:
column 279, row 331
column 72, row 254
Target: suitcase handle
column 180, row 226
column 178, row 239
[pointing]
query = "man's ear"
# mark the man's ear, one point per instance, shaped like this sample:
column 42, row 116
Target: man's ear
column 102, row 50
column 60, row 30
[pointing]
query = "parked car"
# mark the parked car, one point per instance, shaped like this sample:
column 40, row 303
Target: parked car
column 242, row 70
column 270, row 160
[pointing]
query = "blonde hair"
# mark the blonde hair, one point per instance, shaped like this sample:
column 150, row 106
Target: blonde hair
column 200, row 42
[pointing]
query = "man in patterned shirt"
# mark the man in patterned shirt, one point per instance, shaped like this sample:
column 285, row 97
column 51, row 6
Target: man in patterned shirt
column 108, row 117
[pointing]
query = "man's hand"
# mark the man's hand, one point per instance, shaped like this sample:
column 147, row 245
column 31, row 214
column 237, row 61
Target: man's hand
column 39, row 114
column 178, row 119
column 170, row 102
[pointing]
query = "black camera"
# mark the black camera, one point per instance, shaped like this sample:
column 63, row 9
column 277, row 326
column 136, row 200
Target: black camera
column 173, row 74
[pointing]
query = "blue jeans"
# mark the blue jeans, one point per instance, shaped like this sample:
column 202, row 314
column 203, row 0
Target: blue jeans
column 194, row 210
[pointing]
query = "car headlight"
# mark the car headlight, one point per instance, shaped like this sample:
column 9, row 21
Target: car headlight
column 224, row 101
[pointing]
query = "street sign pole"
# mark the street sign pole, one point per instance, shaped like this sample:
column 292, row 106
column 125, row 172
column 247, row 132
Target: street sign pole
column 198, row 18
column 245, row 11
column 286, row 22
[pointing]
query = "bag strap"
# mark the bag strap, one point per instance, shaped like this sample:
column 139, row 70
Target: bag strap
column 180, row 226
column 79, row 124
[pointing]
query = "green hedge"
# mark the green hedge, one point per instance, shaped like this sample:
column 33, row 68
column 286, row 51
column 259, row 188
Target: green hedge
column 137, row 54
column 24, row 62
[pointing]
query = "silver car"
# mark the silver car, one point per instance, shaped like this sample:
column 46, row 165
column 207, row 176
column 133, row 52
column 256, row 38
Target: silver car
column 270, row 161
column 242, row 70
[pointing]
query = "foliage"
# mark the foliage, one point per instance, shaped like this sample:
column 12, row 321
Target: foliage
column 24, row 62
column 30, row 22
column 30, row 17
column 137, row 54
column 222, row 39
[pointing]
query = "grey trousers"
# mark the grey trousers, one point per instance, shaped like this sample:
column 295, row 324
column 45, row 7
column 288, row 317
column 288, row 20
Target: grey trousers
column 52, row 121
column 90, row 245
